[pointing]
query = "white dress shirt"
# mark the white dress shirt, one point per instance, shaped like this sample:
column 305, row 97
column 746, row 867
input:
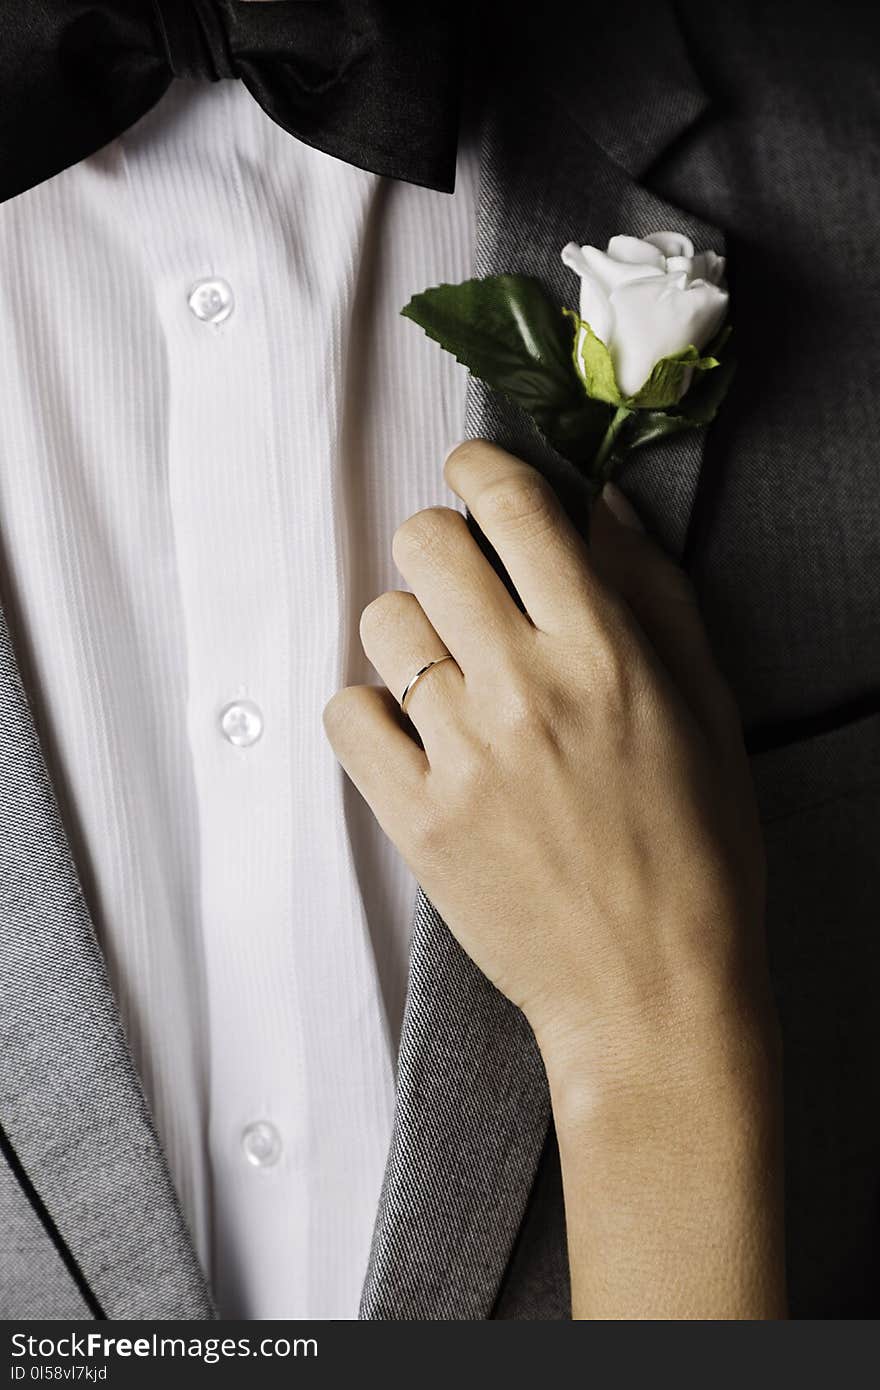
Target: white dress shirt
column 213, row 418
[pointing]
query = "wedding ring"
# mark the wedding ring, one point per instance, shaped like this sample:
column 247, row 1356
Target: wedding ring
column 410, row 685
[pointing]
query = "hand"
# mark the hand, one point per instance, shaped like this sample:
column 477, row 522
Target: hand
column 580, row 809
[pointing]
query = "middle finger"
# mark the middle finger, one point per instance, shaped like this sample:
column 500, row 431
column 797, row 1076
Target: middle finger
column 458, row 589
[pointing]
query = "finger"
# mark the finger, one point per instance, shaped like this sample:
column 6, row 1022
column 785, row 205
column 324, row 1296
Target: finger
column 463, row 597
column 519, row 513
column 364, row 727
column 399, row 640
column 663, row 603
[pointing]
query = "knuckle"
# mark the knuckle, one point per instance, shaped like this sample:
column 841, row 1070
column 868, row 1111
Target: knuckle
column 530, row 712
column 424, row 534
column 435, row 826
column 427, row 830
column 470, row 774
column 464, row 457
column 519, row 710
column 521, row 503
column 612, row 664
column 385, row 613
column 338, row 710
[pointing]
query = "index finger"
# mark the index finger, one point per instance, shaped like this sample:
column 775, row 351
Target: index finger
column 520, row 514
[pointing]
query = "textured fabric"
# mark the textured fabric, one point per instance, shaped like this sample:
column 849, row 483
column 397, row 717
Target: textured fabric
column 373, row 82
column 787, row 546
column 782, row 529
column 471, row 1098
column 456, row 1080
column 191, row 514
column 785, row 552
column 70, row 1102
column 778, row 511
column 537, row 1285
column 33, row 1279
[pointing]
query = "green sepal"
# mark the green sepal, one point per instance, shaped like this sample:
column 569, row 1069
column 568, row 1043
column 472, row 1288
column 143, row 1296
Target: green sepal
column 593, row 363
column 697, row 408
column 663, row 388
column 595, row 367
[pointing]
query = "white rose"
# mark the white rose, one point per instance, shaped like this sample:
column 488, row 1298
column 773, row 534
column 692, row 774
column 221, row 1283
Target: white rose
column 648, row 299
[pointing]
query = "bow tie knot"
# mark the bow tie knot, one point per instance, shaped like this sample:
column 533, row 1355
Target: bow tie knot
column 195, row 39
column 373, row 82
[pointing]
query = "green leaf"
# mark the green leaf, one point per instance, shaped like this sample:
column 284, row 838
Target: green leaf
column 593, row 363
column 629, row 430
column 651, row 425
column 508, row 332
column 664, row 386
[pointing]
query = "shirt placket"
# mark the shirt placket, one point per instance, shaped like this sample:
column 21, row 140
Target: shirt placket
column 297, row 1071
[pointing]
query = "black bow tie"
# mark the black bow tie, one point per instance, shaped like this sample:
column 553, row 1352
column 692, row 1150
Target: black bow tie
column 375, row 84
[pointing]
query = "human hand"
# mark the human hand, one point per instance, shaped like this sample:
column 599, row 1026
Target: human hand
column 580, row 808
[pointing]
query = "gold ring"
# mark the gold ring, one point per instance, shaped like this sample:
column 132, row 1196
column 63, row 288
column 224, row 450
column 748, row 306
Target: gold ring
column 410, row 685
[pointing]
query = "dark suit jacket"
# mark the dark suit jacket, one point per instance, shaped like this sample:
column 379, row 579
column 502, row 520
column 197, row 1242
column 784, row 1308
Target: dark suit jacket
column 753, row 127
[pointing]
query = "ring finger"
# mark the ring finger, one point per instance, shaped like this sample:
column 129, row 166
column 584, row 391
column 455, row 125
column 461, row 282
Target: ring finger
column 399, row 640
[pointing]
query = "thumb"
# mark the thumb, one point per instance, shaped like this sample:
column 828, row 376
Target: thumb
column 663, row 603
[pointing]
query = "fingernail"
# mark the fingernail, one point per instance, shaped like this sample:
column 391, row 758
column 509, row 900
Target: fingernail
column 621, row 508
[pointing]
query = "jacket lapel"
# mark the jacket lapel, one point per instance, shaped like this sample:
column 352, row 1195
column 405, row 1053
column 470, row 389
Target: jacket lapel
column 568, row 164
column 71, row 1104
column 473, row 1109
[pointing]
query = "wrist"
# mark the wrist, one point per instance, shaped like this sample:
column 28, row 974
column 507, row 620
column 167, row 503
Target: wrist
column 664, row 1065
column 673, row 1180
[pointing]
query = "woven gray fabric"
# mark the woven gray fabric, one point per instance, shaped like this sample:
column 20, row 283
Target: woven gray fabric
column 70, row 1102
column 472, row 1112
column 781, row 521
column 469, row 1135
column 32, row 1274
column 786, row 544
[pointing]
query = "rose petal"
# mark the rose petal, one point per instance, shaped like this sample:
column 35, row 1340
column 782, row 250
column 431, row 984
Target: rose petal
column 573, row 257
column 678, row 264
column 655, row 319
column 672, row 243
column 707, row 306
column 610, row 273
column 631, row 250
column 709, row 266
column 595, row 308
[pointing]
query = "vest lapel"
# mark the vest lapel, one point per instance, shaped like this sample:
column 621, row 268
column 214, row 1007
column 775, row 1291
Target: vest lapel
column 472, row 1109
column 71, row 1104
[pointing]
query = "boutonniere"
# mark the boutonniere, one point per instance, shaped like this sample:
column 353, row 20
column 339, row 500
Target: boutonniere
column 646, row 356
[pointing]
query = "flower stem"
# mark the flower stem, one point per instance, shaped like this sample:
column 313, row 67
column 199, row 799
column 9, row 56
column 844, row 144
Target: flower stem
column 604, row 460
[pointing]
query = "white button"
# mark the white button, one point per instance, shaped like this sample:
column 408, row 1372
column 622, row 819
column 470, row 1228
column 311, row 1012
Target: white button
column 242, row 723
column 262, row 1144
column 212, row 301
